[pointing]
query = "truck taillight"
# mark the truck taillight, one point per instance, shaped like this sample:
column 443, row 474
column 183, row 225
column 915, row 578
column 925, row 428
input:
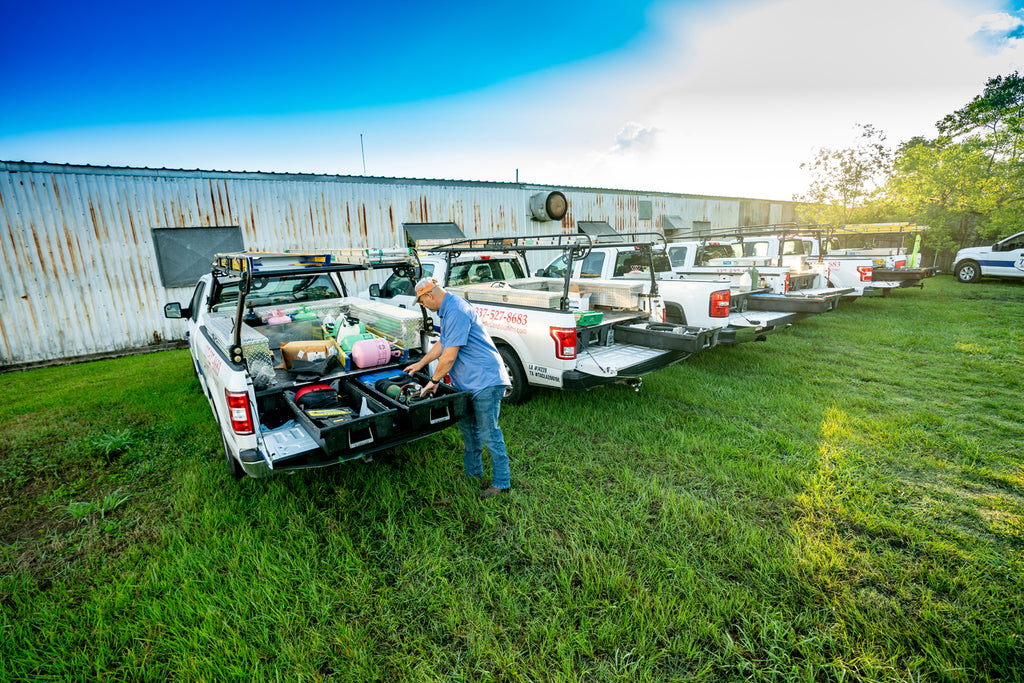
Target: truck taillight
column 720, row 304
column 786, row 291
column 865, row 273
column 565, row 342
column 901, row 264
column 238, row 412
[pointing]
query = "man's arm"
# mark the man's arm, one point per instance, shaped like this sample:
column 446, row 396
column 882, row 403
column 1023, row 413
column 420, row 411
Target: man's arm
column 433, row 354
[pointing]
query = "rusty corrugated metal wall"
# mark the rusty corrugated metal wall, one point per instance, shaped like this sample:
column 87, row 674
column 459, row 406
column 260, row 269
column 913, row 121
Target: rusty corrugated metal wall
column 78, row 267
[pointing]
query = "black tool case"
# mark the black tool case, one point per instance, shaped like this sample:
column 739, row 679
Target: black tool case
column 349, row 437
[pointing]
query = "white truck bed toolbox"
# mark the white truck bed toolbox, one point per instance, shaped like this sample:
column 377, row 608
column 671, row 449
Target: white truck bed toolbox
column 255, row 348
column 400, row 325
column 345, row 439
column 505, row 294
column 667, row 336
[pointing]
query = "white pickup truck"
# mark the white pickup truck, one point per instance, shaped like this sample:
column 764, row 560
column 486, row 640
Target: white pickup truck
column 847, row 271
column 1005, row 258
column 742, row 314
column 266, row 336
column 555, row 332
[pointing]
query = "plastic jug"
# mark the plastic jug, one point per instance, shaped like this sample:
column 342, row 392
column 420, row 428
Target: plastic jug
column 745, row 281
column 368, row 353
column 303, row 314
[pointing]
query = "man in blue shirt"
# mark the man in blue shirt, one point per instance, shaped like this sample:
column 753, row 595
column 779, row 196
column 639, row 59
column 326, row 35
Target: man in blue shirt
column 466, row 353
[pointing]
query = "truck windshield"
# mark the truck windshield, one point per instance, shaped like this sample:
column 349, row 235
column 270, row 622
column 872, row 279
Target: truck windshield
column 273, row 291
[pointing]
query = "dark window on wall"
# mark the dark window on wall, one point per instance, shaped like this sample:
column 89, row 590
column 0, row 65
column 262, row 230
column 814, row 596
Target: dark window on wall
column 184, row 254
column 645, row 209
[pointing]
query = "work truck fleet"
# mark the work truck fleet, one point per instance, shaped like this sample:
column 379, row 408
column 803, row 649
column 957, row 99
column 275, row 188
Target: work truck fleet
column 557, row 332
column 301, row 371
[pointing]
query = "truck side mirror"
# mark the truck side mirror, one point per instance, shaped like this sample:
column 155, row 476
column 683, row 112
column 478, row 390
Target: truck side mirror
column 375, row 290
column 173, row 310
column 541, row 272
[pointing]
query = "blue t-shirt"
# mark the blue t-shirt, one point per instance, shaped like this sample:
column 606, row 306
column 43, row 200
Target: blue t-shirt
column 478, row 364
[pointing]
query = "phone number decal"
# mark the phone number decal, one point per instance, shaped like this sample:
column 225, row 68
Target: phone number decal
column 498, row 315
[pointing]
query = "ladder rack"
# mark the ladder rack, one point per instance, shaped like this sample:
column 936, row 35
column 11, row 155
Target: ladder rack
column 327, row 260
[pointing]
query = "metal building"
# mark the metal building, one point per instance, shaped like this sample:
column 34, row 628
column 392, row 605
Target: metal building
column 91, row 254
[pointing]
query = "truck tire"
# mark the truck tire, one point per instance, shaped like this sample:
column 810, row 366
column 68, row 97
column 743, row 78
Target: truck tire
column 968, row 271
column 234, row 467
column 520, row 389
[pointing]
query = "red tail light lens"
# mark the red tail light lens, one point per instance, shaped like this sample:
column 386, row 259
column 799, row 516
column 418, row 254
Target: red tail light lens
column 865, row 273
column 901, row 264
column 565, row 342
column 238, row 411
column 786, row 291
column 720, row 304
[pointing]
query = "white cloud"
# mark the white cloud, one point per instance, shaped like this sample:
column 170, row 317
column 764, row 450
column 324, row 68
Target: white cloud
column 634, row 137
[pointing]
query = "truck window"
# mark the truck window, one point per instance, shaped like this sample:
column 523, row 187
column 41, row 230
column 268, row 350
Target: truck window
column 273, row 291
column 197, row 301
column 592, row 266
column 510, row 270
column 637, row 262
column 755, row 249
column 557, row 267
column 677, row 256
column 713, row 251
column 491, row 270
column 397, row 284
column 792, row 248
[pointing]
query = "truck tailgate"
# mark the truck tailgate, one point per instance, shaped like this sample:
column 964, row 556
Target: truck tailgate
column 804, row 301
column 617, row 359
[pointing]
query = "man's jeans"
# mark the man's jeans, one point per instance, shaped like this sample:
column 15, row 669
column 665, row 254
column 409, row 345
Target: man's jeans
column 481, row 428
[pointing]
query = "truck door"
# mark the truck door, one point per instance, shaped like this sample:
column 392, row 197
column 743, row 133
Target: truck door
column 1007, row 257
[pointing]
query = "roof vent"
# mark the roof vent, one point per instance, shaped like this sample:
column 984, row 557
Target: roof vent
column 548, row 206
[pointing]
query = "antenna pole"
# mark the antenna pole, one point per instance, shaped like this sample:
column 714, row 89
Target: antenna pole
column 363, row 152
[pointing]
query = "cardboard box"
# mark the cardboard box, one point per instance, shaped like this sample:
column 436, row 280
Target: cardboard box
column 579, row 302
column 305, row 350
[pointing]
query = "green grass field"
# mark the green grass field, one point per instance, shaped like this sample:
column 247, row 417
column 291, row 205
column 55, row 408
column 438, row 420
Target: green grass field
column 844, row 502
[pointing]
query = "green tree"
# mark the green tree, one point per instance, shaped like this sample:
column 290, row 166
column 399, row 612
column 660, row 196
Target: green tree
column 993, row 122
column 844, row 182
column 995, row 116
column 946, row 185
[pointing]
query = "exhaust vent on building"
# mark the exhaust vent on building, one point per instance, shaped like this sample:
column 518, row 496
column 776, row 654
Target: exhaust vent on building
column 548, row 206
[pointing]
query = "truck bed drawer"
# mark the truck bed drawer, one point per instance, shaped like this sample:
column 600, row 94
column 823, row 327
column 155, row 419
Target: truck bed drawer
column 344, row 437
column 449, row 405
column 667, row 336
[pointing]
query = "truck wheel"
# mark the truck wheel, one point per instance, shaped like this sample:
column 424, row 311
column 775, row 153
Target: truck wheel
column 968, row 271
column 234, row 467
column 520, row 389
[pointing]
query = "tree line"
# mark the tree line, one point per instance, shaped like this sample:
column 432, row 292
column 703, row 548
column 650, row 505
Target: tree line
column 967, row 184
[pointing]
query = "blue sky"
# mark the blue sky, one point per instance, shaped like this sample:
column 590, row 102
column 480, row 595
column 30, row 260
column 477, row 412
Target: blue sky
column 722, row 98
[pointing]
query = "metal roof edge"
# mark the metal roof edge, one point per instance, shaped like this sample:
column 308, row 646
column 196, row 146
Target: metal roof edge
column 52, row 167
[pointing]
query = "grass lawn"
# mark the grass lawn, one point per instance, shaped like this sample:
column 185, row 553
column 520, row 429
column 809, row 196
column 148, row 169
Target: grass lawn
column 844, row 502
